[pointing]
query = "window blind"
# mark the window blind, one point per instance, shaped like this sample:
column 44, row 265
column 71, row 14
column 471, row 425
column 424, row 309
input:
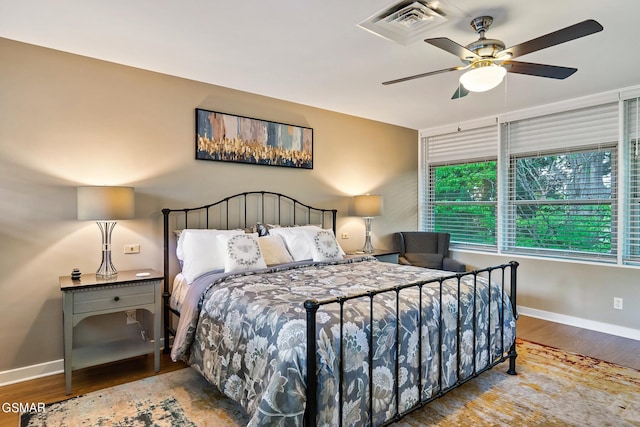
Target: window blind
column 465, row 145
column 423, row 186
column 464, row 202
column 576, row 128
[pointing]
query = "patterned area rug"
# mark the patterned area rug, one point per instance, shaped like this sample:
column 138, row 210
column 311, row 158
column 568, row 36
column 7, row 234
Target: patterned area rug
column 553, row 388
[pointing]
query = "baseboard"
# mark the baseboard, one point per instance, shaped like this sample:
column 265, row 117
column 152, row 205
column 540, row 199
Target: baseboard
column 40, row 370
column 32, row 372
column 607, row 328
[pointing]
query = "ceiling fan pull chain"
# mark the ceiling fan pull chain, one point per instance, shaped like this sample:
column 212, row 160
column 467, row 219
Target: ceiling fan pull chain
column 506, row 92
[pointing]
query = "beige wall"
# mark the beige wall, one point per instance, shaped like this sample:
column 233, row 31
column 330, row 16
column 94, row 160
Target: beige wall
column 573, row 293
column 67, row 120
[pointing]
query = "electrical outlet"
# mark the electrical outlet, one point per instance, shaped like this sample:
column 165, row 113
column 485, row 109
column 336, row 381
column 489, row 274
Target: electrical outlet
column 131, row 317
column 617, row 303
column 132, row 249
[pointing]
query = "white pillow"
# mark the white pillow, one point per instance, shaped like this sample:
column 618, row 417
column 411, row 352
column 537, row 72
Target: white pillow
column 200, row 251
column 242, row 252
column 325, row 246
column 299, row 240
column 274, row 250
column 203, row 234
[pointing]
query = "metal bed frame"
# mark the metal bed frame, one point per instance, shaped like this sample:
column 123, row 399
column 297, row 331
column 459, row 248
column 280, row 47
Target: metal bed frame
column 249, row 208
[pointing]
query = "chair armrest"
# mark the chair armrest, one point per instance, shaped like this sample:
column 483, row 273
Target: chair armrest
column 450, row 264
column 402, row 260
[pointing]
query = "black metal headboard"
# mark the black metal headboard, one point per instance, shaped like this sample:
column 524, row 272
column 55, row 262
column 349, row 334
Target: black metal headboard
column 243, row 210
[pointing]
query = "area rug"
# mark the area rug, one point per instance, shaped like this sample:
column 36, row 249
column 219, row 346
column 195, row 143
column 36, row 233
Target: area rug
column 552, row 388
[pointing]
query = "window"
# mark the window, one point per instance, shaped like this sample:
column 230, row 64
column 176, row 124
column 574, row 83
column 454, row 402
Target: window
column 633, row 249
column 464, row 202
column 547, row 184
column 562, row 189
column 460, row 175
column 632, row 152
column 564, row 203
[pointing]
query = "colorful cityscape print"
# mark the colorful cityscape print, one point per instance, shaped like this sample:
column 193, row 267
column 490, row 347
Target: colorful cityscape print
column 226, row 137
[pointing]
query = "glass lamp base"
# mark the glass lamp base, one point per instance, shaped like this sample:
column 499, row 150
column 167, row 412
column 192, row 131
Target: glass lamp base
column 368, row 246
column 106, row 269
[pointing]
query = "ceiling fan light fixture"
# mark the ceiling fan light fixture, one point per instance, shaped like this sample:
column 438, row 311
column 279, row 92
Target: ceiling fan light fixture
column 483, row 78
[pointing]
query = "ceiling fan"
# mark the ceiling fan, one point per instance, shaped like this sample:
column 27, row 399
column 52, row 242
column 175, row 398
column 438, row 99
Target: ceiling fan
column 487, row 60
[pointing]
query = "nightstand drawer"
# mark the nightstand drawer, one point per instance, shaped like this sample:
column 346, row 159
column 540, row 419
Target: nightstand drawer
column 113, row 298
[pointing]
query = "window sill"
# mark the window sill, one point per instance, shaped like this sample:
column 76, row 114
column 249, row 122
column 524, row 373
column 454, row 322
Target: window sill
column 545, row 258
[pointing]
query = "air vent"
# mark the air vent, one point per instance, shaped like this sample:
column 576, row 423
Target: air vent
column 404, row 22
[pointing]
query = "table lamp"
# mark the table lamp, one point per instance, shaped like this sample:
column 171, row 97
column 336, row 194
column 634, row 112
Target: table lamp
column 106, row 205
column 367, row 206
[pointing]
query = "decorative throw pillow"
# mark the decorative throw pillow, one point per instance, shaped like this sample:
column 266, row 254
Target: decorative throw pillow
column 325, row 246
column 274, row 250
column 242, row 252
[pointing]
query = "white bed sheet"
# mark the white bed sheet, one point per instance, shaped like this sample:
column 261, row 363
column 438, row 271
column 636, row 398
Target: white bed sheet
column 178, row 292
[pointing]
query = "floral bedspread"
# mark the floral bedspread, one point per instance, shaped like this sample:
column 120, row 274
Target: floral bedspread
column 250, row 339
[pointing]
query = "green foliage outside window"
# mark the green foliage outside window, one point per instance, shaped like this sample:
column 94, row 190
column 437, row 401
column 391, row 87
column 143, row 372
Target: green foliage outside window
column 564, row 202
column 465, row 200
column 558, row 202
column 585, row 228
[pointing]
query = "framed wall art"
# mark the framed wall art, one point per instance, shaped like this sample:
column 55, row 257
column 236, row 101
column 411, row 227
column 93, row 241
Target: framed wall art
column 230, row 138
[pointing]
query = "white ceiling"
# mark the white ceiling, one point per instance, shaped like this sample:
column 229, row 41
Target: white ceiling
column 313, row 53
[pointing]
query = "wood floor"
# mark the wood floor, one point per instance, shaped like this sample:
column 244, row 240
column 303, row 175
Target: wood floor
column 611, row 348
column 623, row 351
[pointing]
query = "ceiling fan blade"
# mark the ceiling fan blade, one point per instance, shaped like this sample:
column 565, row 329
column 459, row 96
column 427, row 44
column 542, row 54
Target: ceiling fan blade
column 460, row 92
column 417, row 76
column 540, row 70
column 452, row 47
column 572, row 32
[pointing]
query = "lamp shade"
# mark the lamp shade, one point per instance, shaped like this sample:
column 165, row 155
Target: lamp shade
column 483, row 78
column 367, row 205
column 105, row 203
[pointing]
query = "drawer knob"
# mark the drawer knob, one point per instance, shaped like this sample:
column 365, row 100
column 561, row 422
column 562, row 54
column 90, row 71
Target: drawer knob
column 116, row 299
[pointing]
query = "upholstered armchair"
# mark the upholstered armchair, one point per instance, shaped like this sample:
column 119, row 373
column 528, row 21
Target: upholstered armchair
column 426, row 249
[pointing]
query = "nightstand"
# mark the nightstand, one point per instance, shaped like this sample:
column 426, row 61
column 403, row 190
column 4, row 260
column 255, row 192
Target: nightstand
column 383, row 255
column 89, row 296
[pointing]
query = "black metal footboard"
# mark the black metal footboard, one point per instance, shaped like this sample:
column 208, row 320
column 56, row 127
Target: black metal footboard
column 504, row 275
